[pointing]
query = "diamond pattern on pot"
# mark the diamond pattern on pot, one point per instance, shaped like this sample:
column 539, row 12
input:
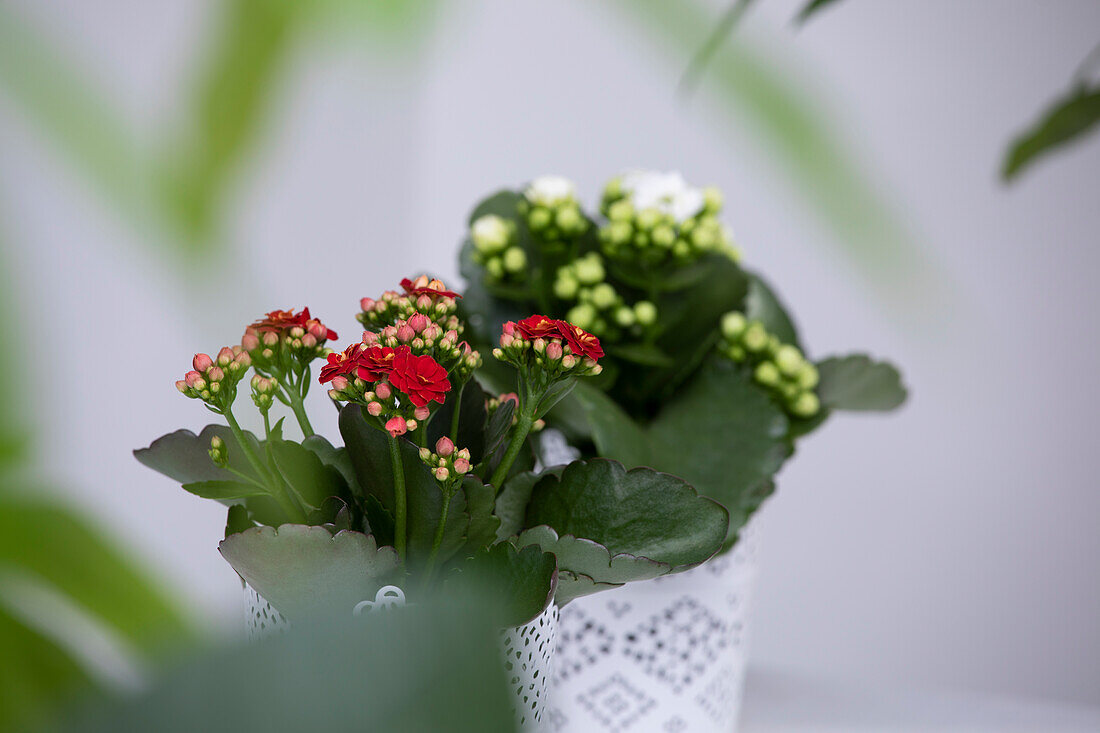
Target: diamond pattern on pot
column 678, row 644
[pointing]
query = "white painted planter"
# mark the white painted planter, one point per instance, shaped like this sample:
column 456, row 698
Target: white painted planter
column 661, row 656
column 528, row 650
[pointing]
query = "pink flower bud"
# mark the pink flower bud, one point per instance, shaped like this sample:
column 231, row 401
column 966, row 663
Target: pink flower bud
column 270, row 338
column 421, row 413
column 411, row 424
column 181, row 385
column 318, row 330
column 244, row 359
column 375, row 409
column 510, row 328
column 340, row 383
column 554, row 350
column 309, row 341
column 370, row 338
column 539, row 346
column 257, row 383
column 425, row 454
column 395, row 425
column 250, row 341
column 366, row 304
column 193, row 379
column 444, row 446
column 462, row 466
column 389, row 332
column 509, row 396
column 383, row 391
column 202, row 362
column 432, row 332
column 442, row 473
column 463, row 454
column 451, row 335
column 506, row 340
column 297, row 332
column 215, row 374
column 419, row 322
column 569, row 361
column 225, row 355
column 424, row 302
column 334, row 394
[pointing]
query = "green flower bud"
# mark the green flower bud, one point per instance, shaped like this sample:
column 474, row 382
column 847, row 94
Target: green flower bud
column 589, row 271
column 663, row 236
column 767, row 374
column 735, row 352
column 733, row 325
column 681, row 249
column 755, row 338
column 789, row 360
column 645, row 312
column 603, row 296
column 582, row 315
column 806, row 405
column 495, row 268
column 649, row 218
column 566, row 285
column 624, row 316
column 712, row 200
column 619, row 232
column 641, row 239
column 621, row 211
column 569, row 219
column 807, row 376
column 614, row 188
column 515, row 259
column 538, row 218
column 490, row 233
column 704, row 237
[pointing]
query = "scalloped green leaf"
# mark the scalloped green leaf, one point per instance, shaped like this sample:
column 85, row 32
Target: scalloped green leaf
column 311, row 480
column 483, row 524
column 857, row 382
column 639, row 512
column 762, row 304
column 304, row 571
column 223, row 490
column 519, row 582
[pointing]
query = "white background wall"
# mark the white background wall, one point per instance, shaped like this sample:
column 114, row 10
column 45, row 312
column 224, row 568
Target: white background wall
column 954, row 544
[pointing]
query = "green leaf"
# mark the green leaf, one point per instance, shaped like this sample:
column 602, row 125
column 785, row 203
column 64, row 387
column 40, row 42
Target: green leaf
column 500, row 424
column 511, row 504
column 337, row 458
column 519, row 583
column 856, row 382
column 503, row 203
column 310, row 479
column 369, row 453
column 380, row 520
column 237, row 520
column 71, row 557
column 644, row 354
column 721, row 433
column 305, row 571
column 1067, row 120
column 639, row 512
column 811, row 8
column 224, row 490
column 471, row 420
column 762, row 304
column 483, row 525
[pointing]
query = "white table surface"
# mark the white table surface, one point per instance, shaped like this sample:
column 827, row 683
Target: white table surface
column 779, row 702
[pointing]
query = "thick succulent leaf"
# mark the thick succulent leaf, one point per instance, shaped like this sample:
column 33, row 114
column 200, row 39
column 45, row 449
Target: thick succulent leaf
column 721, row 433
column 1069, row 119
column 224, row 490
column 184, row 456
column 500, row 424
column 520, row 582
column 369, row 452
column 237, row 520
column 585, row 566
column 639, row 512
column 338, row 458
column 306, row 571
column 63, row 551
column 379, row 519
column 511, row 504
column 311, row 480
column 857, row 382
column 762, row 304
column 483, row 524
column 471, row 420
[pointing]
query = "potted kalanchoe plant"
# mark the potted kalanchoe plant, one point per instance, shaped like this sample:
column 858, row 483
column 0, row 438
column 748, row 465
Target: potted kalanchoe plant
column 705, row 377
column 436, row 482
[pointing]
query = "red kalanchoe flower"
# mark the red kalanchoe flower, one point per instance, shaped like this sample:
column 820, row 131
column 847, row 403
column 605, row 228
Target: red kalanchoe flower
column 580, row 341
column 341, row 364
column 533, row 327
column 419, row 377
column 375, row 362
column 423, row 286
column 278, row 321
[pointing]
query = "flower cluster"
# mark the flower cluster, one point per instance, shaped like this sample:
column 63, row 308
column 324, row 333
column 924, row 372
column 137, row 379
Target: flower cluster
column 557, row 348
column 447, row 463
column 426, row 337
column 777, row 366
column 496, row 249
column 214, row 381
column 658, row 218
column 428, row 297
column 281, row 338
column 598, row 306
column 552, row 212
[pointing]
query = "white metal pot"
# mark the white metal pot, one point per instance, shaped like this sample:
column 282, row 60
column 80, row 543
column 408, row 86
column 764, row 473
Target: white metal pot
column 665, row 656
column 528, row 650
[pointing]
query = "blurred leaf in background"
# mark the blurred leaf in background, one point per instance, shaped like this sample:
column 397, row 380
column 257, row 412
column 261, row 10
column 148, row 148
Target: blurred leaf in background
column 1069, row 119
column 76, row 613
column 432, row 667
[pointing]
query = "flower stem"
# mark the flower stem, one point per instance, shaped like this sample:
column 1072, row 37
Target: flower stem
column 457, row 412
column 524, row 422
column 438, row 540
column 292, row 510
column 299, row 409
column 398, row 498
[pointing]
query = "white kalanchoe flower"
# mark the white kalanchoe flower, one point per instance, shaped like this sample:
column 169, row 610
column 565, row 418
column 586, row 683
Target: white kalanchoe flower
column 490, row 233
column 668, row 193
column 551, row 190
